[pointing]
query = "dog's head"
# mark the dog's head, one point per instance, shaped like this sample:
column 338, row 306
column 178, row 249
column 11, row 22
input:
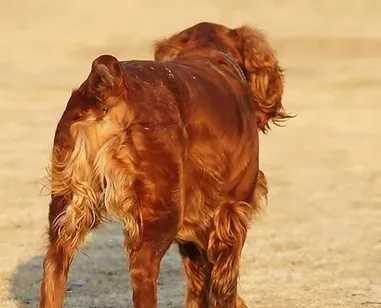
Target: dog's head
column 207, row 36
column 252, row 52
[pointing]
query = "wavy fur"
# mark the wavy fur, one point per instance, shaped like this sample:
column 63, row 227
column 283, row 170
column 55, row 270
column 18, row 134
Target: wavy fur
column 226, row 239
column 265, row 76
column 95, row 181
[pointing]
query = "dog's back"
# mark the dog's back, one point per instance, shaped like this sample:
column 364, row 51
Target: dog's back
column 217, row 122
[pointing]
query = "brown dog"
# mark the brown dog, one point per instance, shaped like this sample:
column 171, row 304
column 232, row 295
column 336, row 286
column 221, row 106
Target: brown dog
column 171, row 148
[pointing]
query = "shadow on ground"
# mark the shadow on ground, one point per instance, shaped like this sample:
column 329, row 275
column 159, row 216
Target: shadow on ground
column 99, row 277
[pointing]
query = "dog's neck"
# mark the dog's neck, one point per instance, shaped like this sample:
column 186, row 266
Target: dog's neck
column 237, row 68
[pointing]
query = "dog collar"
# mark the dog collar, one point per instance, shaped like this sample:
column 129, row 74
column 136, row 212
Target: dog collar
column 236, row 67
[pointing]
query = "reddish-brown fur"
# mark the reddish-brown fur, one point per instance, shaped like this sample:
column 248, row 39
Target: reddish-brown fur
column 171, row 148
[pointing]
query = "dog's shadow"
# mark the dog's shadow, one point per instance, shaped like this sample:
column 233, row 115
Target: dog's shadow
column 99, row 277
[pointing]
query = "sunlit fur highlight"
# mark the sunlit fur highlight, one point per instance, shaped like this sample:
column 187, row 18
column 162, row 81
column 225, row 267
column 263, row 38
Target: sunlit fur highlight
column 94, row 177
column 72, row 178
column 113, row 169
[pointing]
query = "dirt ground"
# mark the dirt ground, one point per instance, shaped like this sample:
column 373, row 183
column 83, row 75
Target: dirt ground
column 317, row 244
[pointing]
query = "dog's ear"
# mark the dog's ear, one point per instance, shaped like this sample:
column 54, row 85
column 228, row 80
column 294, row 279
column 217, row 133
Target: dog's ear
column 165, row 49
column 105, row 78
column 168, row 48
column 265, row 77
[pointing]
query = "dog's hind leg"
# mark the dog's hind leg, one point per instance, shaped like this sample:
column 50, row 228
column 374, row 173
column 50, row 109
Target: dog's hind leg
column 159, row 226
column 225, row 245
column 67, row 231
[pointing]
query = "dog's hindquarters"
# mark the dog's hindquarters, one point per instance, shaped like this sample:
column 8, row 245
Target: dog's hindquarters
column 85, row 183
column 103, row 166
column 89, row 175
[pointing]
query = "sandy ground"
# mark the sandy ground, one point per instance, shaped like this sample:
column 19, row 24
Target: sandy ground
column 317, row 244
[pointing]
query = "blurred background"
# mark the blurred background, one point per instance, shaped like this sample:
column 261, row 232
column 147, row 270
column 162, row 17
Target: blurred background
column 317, row 244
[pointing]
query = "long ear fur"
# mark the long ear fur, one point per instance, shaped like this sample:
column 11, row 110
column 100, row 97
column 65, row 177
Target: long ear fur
column 265, row 77
column 164, row 50
column 168, row 48
column 105, row 78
